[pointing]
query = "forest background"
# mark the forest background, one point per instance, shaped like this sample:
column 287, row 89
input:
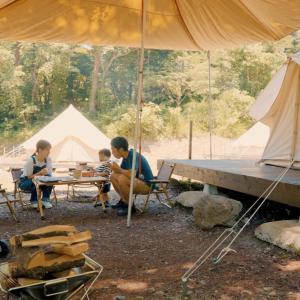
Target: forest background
column 38, row 81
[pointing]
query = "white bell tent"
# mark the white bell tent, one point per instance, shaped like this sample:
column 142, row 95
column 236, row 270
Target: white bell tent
column 278, row 107
column 255, row 136
column 73, row 138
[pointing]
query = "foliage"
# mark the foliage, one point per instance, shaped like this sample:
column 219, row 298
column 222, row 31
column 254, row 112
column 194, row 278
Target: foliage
column 231, row 116
column 38, row 81
column 151, row 123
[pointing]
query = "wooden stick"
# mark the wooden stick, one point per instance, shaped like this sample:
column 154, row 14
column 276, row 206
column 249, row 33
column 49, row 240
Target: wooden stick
column 67, row 240
column 72, row 250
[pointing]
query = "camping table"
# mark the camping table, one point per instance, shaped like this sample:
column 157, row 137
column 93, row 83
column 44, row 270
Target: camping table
column 97, row 181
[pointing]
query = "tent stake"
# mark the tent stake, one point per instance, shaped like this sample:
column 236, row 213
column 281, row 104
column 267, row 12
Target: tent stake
column 138, row 110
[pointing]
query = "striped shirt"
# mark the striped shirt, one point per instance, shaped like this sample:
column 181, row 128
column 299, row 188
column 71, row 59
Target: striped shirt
column 104, row 168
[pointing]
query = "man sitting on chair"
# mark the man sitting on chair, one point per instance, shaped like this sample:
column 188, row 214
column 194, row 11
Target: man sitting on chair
column 120, row 177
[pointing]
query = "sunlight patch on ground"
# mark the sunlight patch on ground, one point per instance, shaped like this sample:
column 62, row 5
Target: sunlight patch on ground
column 131, row 285
column 293, row 296
column 292, row 266
column 151, row 271
column 187, row 265
column 122, row 284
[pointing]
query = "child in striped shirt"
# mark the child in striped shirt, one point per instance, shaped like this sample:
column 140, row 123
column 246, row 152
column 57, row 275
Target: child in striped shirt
column 104, row 170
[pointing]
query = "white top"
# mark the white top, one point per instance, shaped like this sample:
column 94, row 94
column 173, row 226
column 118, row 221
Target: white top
column 28, row 168
column 104, row 168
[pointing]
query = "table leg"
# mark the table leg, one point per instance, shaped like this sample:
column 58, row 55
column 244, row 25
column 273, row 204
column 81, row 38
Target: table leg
column 40, row 204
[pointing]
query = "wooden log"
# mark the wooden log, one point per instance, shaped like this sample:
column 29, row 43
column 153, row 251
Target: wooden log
column 66, row 240
column 15, row 241
column 53, row 263
column 48, row 231
column 30, row 257
column 67, row 273
column 43, row 232
column 72, row 250
column 28, row 281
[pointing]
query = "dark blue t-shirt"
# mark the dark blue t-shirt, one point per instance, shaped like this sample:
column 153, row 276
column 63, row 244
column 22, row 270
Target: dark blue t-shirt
column 146, row 169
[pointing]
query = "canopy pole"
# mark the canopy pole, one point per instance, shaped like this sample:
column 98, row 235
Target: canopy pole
column 190, row 139
column 138, row 109
column 210, row 106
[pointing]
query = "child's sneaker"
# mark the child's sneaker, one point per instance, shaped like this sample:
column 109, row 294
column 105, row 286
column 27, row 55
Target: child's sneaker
column 100, row 204
column 46, row 203
column 34, row 204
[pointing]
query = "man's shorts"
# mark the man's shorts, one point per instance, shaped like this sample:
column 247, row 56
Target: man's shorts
column 106, row 188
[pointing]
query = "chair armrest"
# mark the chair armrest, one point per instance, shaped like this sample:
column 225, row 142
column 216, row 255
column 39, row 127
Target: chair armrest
column 158, row 181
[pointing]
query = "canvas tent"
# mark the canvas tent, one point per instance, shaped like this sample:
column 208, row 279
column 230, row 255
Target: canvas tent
column 72, row 136
column 171, row 24
column 256, row 136
column 278, row 107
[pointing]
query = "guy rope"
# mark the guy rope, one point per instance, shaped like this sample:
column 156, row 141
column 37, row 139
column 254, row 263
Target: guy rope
column 227, row 233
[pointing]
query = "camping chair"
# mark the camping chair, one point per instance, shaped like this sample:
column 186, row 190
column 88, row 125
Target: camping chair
column 16, row 174
column 8, row 202
column 160, row 184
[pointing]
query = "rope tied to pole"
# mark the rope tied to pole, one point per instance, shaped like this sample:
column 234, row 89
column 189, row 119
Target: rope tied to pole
column 229, row 231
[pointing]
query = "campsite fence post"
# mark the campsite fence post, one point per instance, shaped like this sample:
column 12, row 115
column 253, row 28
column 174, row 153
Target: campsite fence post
column 210, row 106
column 138, row 109
column 190, row 139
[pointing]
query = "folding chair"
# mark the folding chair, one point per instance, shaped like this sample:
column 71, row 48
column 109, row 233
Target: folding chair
column 16, row 174
column 8, row 202
column 160, row 184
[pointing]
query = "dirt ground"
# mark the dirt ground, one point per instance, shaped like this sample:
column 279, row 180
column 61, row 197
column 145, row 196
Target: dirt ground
column 147, row 260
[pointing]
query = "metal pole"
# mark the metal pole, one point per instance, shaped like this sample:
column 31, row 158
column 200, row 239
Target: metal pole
column 138, row 109
column 210, row 106
column 190, row 140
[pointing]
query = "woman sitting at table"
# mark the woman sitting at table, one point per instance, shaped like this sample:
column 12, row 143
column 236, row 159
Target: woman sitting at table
column 39, row 164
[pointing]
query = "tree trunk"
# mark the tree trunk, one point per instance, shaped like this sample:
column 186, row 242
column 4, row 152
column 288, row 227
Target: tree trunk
column 94, row 87
column 35, row 88
column 18, row 53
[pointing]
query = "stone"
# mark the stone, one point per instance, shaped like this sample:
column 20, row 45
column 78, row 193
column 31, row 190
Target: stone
column 212, row 210
column 284, row 234
column 246, row 293
column 151, row 290
column 189, row 199
column 120, row 297
column 159, row 293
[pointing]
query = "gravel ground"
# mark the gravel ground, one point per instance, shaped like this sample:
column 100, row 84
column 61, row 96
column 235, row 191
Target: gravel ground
column 147, row 260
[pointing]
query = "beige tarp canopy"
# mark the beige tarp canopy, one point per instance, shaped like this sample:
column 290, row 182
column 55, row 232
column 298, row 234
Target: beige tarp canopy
column 278, row 106
column 171, row 24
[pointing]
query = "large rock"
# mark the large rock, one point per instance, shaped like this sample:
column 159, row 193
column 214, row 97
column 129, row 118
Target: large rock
column 189, row 199
column 284, row 234
column 214, row 210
